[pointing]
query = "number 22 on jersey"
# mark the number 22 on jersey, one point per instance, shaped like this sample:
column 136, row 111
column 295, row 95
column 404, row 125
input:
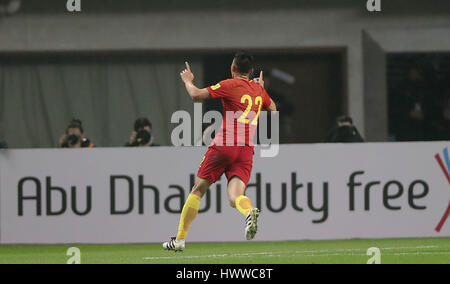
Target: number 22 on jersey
column 247, row 99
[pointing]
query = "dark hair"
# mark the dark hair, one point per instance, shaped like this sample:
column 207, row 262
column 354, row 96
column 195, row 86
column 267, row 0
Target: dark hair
column 344, row 118
column 244, row 62
column 75, row 123
column 140, row 123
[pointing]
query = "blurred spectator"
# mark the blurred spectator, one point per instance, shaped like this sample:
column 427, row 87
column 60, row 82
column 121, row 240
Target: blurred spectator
column 419, row 102
column 413, row 108
column 75, row 128
column 442, row 126
column 142, row 133
column 3, row 145
column 344, row 132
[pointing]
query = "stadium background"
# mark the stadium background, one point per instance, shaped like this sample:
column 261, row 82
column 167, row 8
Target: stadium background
column 116, row 61
column 119, row 60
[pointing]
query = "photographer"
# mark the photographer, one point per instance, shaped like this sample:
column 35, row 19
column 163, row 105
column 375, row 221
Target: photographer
column 76, row 128
column 344, row 132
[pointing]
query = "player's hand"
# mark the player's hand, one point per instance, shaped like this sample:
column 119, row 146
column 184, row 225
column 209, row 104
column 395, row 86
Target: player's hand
column 260, row 80
column 186, row 74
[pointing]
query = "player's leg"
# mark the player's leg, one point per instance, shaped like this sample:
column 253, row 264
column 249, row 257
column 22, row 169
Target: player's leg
column 236, row 190
column 236, row 197
column 211, row 168
column 188, row 214
column 190, row 208
column 238, row 174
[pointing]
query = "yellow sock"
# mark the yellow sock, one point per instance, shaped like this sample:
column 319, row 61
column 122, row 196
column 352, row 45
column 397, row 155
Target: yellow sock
column 243, row 204
column 190, row 210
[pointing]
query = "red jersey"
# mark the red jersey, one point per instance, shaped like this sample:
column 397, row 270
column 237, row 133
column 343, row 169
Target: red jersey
column 242, row 102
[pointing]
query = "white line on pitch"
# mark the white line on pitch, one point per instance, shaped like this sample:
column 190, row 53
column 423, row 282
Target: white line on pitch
column 313, row 253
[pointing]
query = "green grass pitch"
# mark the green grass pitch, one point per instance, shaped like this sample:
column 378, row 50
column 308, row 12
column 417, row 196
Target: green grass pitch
column 396, row 251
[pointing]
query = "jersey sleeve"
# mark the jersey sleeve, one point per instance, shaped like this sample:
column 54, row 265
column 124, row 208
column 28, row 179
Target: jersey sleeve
column 220, row 89
column 266, row 99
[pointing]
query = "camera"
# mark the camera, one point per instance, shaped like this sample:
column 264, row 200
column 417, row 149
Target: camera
column 143, row 138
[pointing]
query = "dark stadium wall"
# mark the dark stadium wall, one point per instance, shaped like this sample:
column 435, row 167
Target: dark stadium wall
column 315, row 96
column 155, row 26
column 314, row 99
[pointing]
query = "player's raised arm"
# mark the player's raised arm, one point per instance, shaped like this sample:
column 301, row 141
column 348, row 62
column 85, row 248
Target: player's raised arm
column 272, row 107
column 196, row 94
column 260, row 80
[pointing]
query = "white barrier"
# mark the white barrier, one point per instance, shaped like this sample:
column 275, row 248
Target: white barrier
column 128, row 195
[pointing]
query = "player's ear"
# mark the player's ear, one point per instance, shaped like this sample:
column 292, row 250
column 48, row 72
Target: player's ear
column 233, row 69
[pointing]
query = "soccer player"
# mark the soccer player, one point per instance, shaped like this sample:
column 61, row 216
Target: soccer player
column 231, row 152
